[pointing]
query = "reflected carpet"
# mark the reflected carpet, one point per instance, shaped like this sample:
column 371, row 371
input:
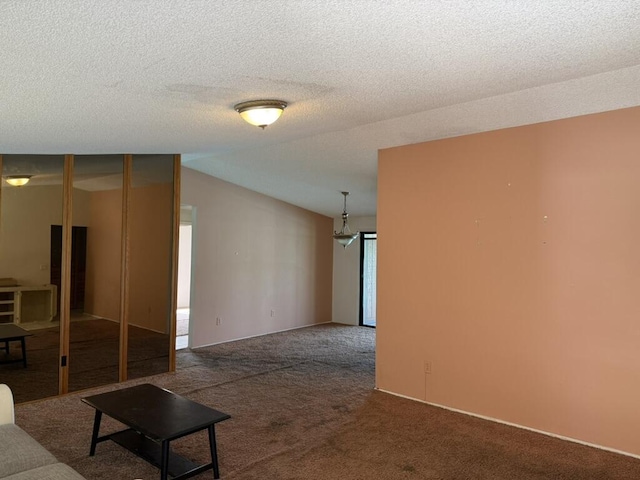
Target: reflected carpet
column 93, row 358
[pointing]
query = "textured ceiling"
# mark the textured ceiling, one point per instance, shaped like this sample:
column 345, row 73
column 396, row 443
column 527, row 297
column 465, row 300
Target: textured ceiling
column 154, row 76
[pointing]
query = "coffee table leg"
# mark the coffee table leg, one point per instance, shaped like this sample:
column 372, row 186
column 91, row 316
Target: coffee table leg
column 164, row 461
column 214, row 451
column 96, row 430
column 24, row 353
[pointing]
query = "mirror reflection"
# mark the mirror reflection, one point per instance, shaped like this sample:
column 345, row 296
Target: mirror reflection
column 31, row 252
column 94, row 346
column 150, row 246
column 28, row 294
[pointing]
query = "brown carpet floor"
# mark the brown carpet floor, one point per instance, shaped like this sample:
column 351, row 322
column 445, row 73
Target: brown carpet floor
column 303, row 407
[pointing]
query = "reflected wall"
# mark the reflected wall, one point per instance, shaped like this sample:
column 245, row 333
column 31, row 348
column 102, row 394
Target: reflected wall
column 29, row 298
column 116, row 320
column 96, row 270
column 150, row 246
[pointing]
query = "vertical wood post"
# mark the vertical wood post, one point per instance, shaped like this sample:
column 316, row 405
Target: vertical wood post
column 174, row 261
column 65, row 284
column 1, row 187
column 124, row 269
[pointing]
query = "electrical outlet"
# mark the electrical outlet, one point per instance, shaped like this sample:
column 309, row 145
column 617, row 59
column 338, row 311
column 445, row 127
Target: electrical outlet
column 273, row 313
column 218, row 321
column 427, row 367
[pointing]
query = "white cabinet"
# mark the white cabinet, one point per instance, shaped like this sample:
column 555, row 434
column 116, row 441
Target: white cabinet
column 28, row 303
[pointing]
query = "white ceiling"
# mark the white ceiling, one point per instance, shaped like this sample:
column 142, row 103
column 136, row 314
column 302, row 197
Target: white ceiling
column 162, row 76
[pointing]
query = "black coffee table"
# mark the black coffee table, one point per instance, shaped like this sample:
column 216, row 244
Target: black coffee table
column 156, row 417
column 14, row 333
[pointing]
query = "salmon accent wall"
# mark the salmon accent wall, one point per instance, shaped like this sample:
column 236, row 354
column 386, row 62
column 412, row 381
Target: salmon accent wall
column 253, row 255
column 510, row 262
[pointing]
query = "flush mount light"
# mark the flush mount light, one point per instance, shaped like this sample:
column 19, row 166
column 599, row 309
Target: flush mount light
column 344, row 236
column 261, row 112
column 17, row 180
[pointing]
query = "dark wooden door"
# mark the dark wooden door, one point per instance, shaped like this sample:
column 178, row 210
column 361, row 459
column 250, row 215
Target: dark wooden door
column 78, row 263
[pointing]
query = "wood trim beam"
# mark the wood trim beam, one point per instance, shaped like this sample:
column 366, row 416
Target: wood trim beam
column 65, row 284
column 124, row 268
column 1, row 186
column 177, row 164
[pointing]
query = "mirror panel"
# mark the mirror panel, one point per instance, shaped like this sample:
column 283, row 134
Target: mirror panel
column 96, row 266
column 150, row 247
column 29, row 266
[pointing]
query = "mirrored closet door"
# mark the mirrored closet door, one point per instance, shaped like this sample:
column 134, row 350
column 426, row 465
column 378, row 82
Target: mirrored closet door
column 31, row 202
column 96, row 271
column 150, row 241
column 87, row 262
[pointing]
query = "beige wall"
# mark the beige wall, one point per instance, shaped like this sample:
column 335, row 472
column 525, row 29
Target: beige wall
column 151, row 213
column 346, row 272
column 102, row 297
column 25, row 232
column 254, row 254
column 150, row 256
column 516, row 275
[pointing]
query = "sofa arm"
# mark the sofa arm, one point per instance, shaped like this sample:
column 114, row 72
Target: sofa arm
column 6, row 405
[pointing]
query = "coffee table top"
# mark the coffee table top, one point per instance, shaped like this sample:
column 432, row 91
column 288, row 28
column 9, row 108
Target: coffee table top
column 155, row 412
column 10, row 331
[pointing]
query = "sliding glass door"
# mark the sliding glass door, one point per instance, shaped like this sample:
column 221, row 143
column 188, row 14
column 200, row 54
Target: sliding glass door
column 368, row 267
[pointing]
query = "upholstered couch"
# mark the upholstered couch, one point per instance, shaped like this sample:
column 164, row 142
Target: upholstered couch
column 21, row 457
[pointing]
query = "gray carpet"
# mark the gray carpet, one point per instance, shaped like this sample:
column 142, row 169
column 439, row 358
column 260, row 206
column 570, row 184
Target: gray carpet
column 303, row 407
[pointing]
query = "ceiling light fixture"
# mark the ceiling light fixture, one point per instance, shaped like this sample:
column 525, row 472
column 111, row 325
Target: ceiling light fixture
column 344, row 236
column 17, row 180
column 261, row 112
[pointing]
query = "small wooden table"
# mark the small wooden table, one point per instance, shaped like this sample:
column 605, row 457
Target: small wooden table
column 13, row 333
column 156, row 417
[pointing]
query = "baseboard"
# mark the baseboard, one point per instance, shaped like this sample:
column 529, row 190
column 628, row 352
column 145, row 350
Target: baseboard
column 132, row 325
column 147, row 328
column 523, row 427
column 260, row 335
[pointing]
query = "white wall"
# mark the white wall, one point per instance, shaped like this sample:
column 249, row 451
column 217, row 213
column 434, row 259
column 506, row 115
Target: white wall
column 254, row 255
column 184, row 266
column 346, row 272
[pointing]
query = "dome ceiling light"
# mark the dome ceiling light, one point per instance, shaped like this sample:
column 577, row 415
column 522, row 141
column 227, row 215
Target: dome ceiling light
column 17, row 180
column 261, row 112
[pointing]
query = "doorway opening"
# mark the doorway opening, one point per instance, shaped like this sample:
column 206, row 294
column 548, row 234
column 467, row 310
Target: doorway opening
column 185, row 254
column 368, row 267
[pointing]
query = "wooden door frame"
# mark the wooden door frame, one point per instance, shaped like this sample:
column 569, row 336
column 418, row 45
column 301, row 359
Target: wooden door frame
column 124, row 268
